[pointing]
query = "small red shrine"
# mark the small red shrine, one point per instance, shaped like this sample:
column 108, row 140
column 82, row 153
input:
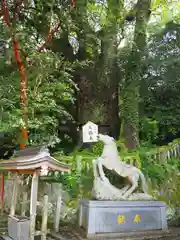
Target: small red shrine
column 35, row 161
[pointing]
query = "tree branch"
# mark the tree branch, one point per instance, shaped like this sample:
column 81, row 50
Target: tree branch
column 17, row 5
column 49, row 37
column 5, row 13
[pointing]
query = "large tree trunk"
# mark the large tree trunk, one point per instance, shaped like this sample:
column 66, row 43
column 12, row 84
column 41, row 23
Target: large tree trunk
column 98, row 96
column 133, row 76
column 98, row 102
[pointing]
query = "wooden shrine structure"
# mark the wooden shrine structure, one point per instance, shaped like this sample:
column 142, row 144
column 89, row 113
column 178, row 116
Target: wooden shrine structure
column 34, row 161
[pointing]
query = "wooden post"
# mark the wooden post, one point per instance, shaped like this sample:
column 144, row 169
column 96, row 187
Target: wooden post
column 58, row 214
column 168, row 154
column 79, row 170
column 24, row 204
column 33, row 205
column 2, row 191
column 14, row 195
column 44, row 218
column 175, row 152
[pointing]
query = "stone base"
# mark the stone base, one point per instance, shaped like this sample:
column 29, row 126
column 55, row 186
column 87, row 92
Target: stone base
column 18, row 227
column 121, row 217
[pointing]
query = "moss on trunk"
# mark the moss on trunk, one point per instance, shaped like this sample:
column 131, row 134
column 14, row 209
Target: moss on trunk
column 133, row 76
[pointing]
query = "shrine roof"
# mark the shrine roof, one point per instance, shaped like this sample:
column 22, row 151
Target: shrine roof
column 33, row 158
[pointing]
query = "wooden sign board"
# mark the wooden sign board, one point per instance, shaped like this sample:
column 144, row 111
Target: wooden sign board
column 90, row 132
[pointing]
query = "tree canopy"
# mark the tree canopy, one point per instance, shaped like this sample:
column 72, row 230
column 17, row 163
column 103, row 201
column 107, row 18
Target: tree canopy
column 112, row 62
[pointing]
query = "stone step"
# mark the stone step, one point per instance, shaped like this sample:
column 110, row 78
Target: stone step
column 131, row 235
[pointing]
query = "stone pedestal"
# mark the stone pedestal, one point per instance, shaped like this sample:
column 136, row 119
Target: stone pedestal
column 121, row 217
column 18, row 228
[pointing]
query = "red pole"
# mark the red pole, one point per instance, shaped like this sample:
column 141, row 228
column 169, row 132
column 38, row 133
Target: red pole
column 23, row 90
column 23, row 80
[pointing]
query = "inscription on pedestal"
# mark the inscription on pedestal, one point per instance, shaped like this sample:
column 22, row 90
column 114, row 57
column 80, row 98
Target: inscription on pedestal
column 119, row 217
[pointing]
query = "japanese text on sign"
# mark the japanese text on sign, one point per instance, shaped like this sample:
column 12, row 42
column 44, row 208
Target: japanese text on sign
column 90, row 132
column 137, row 218
column 122, row 219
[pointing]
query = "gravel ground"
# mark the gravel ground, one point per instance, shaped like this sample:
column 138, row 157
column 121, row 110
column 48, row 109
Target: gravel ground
column 69, row 234
column 72, row 232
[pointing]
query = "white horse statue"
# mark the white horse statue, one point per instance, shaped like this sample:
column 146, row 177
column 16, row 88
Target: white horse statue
column 111, row 160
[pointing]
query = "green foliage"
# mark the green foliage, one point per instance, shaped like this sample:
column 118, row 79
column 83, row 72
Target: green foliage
column 80, row 180
column 97, row 148
column 163, row 176
column 148, row 129
column 50, row 91
column 161, row 101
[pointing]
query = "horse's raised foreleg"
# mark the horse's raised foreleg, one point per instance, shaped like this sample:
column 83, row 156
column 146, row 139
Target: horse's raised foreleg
column 100, row 168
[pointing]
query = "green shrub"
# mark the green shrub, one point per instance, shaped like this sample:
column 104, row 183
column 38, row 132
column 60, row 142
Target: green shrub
column 164, row 177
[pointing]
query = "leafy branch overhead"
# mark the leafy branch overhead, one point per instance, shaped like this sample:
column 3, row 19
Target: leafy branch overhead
column 88, row 60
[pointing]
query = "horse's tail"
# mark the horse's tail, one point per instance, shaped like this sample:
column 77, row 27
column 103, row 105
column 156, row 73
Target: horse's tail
column 144, row 184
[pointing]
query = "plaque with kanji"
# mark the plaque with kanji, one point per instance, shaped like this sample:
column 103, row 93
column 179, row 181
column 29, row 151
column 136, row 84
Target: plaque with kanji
column 90, row 132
